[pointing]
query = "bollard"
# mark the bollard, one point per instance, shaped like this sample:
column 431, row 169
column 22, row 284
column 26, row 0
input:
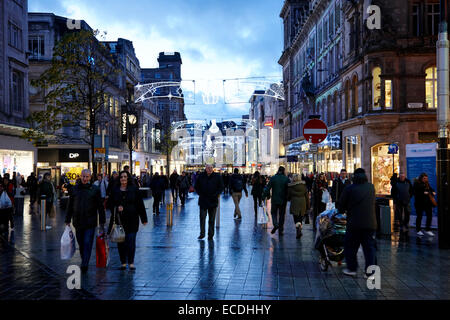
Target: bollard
column 43, row 215
column 218, row 214
column 169, row 208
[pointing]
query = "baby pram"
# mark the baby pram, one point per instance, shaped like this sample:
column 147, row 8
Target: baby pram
column 331, row 227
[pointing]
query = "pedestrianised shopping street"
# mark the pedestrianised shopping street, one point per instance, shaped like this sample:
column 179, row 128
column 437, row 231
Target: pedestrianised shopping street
column 244, row 261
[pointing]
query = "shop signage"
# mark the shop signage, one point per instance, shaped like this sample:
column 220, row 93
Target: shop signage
column 268, row 121
column 113, row 157
column 99, row 152
column 421, row 157
column 123, row 125
column 73, row 173
column 415, row 105
column 313, row 148
column 393, row 148
column 73, row 155
column 315, row 131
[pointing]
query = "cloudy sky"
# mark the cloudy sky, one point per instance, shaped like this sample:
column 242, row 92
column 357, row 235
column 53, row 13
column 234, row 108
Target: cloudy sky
column 217, row 39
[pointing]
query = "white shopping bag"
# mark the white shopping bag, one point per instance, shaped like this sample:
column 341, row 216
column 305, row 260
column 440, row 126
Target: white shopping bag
column 262, row 216
column 325, row 196
column 5, row 201
column 67, row 244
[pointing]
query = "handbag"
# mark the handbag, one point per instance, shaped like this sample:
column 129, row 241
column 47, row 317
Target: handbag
column 117, row 231
column 433, row 200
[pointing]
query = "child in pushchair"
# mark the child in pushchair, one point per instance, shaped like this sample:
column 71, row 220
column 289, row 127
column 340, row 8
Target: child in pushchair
column 331, row 227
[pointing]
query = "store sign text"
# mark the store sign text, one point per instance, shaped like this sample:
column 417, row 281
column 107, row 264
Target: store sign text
column 73, row 155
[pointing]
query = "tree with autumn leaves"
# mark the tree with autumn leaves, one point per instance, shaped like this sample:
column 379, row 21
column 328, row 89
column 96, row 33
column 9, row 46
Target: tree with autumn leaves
column 82, row 71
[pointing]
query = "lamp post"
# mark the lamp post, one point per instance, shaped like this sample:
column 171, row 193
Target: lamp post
column 443, row 158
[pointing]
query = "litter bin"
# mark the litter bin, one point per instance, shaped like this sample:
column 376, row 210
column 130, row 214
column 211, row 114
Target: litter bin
column 382, row 210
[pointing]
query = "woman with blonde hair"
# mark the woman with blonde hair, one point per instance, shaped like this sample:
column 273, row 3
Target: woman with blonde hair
column 298, row 196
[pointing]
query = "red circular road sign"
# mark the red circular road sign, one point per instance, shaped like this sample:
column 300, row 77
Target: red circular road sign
column 315, row 131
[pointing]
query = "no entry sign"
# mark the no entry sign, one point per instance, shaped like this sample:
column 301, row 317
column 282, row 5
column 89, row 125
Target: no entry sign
column 315, row 131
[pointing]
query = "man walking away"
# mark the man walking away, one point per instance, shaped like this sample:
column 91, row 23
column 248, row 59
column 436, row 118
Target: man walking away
column 402, row 192
column 173, row 185
column 183, row 185
column 32, row 189
column 358, row 200
column 279, row 186
column 157, row 189
column 237, row 184
column 339, row 184
column 209, row 186
column 103, row 185
column 84, row 205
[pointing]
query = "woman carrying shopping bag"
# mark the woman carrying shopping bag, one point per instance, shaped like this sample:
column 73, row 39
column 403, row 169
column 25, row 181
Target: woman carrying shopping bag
column 298, row 195
column 127, row 206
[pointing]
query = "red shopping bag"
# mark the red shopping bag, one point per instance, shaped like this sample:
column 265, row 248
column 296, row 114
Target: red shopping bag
column 102, row 251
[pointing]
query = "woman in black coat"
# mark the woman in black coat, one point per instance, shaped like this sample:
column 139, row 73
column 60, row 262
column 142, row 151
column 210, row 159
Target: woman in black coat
column 126, row 203
column 258, row 184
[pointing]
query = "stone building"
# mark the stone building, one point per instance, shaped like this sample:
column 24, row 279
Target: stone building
column 16, row 154
column 372, row 87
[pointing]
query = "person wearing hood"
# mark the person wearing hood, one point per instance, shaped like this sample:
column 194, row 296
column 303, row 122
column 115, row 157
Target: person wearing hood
column 358, row 200
column 299, row 197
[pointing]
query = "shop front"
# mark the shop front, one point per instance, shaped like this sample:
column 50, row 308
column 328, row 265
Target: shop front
column 352, row 153
column 114, row 160
column 16, row 154
column 384, row 165
column 58, row 162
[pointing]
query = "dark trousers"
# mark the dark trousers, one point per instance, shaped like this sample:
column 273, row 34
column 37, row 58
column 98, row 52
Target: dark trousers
column 33, row 195
column 183, row 193
column 85, row 239
column 355, row 238
column 298, row 218
column 211, row 212
column 257, row 200
column 174, row 194
column 278, row 212
column 127, row 249
column 402, row 213
column 156, row 201
column 163, row 196
column 419, row 212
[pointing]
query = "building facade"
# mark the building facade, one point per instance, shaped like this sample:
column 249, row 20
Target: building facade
column 372, row 87
column 16, row 154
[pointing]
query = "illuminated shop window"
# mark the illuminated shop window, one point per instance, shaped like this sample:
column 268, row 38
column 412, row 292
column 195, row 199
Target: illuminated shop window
column 376, row 88
column 431, row 87
column 388, row 94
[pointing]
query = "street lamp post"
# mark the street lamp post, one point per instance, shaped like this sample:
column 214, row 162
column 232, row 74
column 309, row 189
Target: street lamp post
column 443, row 158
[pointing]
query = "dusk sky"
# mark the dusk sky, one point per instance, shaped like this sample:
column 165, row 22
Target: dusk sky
column 217, row 39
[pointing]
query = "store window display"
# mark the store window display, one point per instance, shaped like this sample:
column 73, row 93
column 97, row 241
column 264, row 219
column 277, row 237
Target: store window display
column 383, row 167
column 352, row 153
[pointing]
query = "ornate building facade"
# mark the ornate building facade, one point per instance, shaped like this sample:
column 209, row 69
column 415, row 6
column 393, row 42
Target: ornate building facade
column 372, row 87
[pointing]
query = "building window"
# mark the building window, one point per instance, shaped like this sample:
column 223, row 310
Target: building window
column 376, row 88
column 36, row 45
column 17, row 91
column 388, row 94
column 355, row 104
column 431, row 87
column 416, row 20
column 337, row 14
column 433, row 18
column 14, row 36
column 352, row 153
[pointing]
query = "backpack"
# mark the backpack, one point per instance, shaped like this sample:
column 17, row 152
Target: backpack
column 238, row 184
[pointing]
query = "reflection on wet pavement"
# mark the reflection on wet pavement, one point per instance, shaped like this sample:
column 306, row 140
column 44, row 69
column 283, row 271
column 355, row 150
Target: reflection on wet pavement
column 244, row 261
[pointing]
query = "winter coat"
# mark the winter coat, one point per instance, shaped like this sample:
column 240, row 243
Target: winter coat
column 183, row 182
column 421, row 199
column 84, row 203
column 208, row 188
column 173, row 180
column 338, row 187
column 258, row 187
column 359, row 202
column 279, row 185
column 46, row 188
column 133, row 208
column 402, row 191
column 298, row 196
column 157, row 185
column 233, row 183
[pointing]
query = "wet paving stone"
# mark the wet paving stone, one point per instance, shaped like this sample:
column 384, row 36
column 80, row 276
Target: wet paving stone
column 243, row 262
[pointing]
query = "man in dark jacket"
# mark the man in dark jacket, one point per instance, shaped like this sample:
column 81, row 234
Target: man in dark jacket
column 209, row 186
column 157, row 186
column 84, row 204
column 358, row 200
column 402, row 192
column 338, row 185
column 279, row 186
column 173, row 185
column 32, row 188
column 237, row 184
